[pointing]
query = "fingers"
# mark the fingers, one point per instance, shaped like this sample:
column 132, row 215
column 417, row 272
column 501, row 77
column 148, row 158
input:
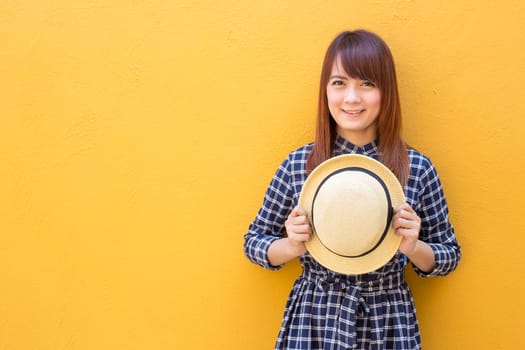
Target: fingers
column 297, row 211
column 298, row 226
column 406, row 224
column 298, row 217
column 401, row 223
column 405, row 218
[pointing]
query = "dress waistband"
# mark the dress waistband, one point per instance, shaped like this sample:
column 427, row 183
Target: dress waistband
column 366, row 283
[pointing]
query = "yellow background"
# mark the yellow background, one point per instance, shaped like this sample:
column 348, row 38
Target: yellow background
column 138, row 137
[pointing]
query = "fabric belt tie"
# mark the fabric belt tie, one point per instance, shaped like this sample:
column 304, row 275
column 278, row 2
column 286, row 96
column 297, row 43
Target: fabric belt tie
column 343, row 332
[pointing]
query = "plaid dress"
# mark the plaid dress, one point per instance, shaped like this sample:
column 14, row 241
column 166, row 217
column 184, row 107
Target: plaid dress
column 330, row 311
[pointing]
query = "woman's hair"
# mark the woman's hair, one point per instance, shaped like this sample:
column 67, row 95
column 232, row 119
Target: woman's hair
column 363, row 55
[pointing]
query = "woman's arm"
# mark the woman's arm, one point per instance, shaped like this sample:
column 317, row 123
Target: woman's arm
column 436, row 232
column 268, row 227
column 407, row 224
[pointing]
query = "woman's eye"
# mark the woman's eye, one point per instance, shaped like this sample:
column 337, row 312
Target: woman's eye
column 337, row 83
column 368, row 83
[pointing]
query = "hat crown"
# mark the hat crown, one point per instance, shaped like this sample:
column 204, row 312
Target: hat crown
column 350, row 212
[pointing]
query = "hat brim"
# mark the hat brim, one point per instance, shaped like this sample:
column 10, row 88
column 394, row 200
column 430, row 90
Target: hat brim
column 388, row 245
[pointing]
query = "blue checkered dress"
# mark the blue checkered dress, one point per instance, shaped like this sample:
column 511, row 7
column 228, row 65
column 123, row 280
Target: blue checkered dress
column 331, row 311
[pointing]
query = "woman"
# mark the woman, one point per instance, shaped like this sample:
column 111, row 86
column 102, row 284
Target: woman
column 359, row 112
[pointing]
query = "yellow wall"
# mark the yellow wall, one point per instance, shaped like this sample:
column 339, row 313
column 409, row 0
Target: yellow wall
column 138, row 137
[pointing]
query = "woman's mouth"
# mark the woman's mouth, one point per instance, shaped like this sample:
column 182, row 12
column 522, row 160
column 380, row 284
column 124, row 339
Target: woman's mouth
column 353, row 112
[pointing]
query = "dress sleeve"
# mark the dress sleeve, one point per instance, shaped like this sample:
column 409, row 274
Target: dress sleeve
column 436, row 228
column 268, row 225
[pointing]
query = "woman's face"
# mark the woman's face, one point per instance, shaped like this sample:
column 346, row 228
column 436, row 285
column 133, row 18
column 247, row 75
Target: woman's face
column 354, row 104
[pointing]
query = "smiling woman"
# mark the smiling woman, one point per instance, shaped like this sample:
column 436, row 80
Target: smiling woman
column 358, row 113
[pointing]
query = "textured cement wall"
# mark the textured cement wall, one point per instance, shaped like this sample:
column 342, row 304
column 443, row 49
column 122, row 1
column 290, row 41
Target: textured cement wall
column 138, row 137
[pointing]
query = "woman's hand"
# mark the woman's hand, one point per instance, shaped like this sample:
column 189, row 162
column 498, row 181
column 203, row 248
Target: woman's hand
column 298, row 231
column 407, row 224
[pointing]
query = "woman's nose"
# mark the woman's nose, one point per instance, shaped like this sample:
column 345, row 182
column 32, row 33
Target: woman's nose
column 352, row 96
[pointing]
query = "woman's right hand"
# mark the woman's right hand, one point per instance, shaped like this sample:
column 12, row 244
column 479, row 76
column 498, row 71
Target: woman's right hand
column 298, row 230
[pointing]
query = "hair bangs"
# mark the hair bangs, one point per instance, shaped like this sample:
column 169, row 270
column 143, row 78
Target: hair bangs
column 360, row 60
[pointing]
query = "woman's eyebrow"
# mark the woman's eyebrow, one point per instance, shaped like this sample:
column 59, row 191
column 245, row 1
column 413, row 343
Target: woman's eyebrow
column 338, row 77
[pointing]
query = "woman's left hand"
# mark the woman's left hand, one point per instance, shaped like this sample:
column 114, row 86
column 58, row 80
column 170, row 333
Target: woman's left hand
column 407, row 224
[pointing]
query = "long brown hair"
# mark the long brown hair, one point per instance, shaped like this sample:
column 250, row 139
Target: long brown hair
column 363, row 55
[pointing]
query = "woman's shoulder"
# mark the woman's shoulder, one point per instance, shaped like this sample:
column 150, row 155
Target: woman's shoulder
column 419, row 162
column 295, row 161
column 300, row 154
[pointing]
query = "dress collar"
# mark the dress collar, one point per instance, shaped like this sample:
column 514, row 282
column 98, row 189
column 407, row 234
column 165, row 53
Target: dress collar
column 343, row 146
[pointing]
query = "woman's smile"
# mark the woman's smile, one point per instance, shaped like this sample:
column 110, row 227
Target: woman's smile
column 353, row 112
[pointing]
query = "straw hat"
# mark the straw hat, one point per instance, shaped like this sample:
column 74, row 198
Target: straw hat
column 349, row 200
